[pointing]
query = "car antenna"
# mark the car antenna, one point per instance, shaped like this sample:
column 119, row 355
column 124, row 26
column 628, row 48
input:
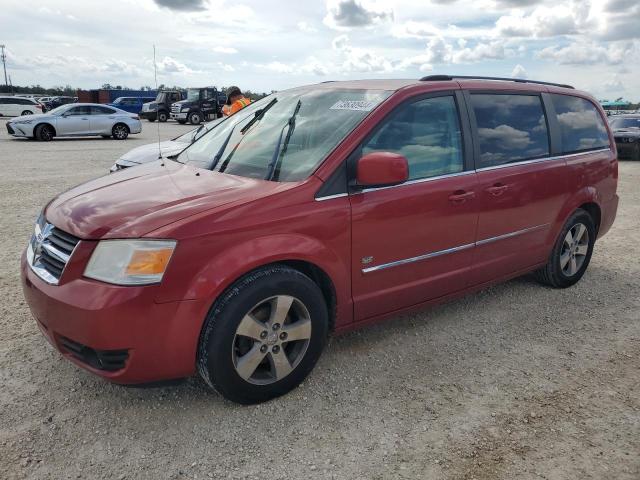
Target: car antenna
column 155, row 75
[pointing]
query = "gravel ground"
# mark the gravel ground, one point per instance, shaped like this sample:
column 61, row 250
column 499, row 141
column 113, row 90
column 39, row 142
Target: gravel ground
column 518, row 381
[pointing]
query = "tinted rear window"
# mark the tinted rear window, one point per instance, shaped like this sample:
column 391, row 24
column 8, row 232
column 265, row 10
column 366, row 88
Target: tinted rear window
column 581, row 126
column 511, row 128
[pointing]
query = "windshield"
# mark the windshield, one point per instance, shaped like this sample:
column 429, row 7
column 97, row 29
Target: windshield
column 119, row 100
column 193, row 95
column 318, row 120
column 59, row 110
column 625, row 122
column 160, row 97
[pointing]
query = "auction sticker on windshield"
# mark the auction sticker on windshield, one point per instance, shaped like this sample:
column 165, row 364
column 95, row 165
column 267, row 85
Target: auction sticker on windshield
column 358, row 105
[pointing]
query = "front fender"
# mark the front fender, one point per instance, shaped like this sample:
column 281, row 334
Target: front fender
column 210, row 278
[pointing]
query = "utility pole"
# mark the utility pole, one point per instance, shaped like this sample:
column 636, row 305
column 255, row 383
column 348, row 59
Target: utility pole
column 4, row 65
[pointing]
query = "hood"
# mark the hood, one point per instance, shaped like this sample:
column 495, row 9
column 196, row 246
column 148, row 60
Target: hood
column 629, row 132
column 35, row 116
column 136, row 201
column 181, row 102
column 149, row 153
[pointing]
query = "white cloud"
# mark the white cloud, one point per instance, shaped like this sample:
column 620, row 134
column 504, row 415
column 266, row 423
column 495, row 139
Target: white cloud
column 225, row 50
column 519, row 72
column 345, row 14
column 306, row 27
column 590, row 53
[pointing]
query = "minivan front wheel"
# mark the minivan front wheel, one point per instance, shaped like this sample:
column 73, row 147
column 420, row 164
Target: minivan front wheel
column 264, row 335
column 571, row 253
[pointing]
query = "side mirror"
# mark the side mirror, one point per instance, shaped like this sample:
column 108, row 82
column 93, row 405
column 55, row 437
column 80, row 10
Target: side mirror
column 382, row 169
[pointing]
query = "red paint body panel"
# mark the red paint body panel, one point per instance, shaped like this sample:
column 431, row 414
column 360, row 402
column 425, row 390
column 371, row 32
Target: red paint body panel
column 226, row 226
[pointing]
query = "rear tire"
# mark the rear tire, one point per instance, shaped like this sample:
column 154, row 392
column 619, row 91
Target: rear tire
column 571, row 253
column 27, row 112
column 44, row 133
column 120, row 131
column 163, row 117
column 247, row 350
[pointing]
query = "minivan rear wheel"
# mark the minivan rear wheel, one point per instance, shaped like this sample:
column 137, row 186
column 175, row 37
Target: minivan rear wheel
column 27, row 112
column 264, row 335
column 571, row 253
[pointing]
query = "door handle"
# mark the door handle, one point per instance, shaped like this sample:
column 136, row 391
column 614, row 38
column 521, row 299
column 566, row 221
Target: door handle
column 497, row 189
column 460, row 196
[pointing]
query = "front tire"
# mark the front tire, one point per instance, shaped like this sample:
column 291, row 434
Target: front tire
column 120, row 131
column 44, row 133
column 264, row 335
column 571, row 253
column 195, row 118
column 163, row 117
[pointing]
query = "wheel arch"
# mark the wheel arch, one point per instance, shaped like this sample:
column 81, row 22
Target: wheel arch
column 586, row 198
column 55, row 132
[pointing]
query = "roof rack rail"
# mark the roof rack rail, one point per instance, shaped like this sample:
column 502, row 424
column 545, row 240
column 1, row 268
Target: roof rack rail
column 441, row 78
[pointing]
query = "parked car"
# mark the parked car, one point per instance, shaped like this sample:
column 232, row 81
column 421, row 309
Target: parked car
column 17, row 106
column 201, row 104
column 78, row 119
column 160, row 108
column 168, row 149
column 56, row 102
column 626, row 131
column 130, row 104
column 314, row 210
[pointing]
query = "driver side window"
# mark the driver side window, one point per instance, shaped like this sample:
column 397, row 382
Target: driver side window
column 427, row 133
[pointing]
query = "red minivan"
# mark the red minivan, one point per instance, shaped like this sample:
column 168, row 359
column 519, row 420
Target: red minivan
column 316, row 210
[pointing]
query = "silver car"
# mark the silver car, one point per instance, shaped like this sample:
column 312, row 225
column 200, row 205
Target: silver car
column 76, row 119
column 149, row 153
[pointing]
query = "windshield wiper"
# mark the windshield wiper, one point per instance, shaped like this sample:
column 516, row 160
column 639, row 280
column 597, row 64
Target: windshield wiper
column 259, row 115
column 291, row 123
column 221, row 150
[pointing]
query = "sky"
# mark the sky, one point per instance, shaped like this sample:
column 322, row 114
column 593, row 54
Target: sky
column 265, row 45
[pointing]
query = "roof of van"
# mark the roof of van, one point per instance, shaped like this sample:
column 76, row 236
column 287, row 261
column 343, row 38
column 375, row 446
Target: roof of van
column 396, row 84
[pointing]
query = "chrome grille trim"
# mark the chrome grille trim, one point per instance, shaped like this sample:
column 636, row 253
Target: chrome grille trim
column 49, row 251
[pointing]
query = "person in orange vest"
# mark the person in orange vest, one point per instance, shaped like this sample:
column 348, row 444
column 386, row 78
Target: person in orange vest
column 236, row 101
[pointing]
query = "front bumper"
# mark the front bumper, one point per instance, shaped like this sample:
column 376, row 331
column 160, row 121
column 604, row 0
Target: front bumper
column 179, row 116
column 90, row 321
column 627, row 149
column 18, row 130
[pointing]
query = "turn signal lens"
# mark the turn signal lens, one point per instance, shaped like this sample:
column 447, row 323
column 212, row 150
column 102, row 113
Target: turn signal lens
column 150, row 262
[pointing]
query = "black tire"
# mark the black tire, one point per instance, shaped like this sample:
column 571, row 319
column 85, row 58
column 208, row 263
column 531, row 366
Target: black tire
column 182, row 122
column 218, row 340
column 635, row 155
column 163, row 117
column 554, row 274
column 120, row 131
column 151, row 119
column 195, row 118
column 44, row 133
column 27, row 112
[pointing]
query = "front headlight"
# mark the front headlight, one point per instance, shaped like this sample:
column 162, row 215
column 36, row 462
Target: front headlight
column 185, row 109
column 130, row 262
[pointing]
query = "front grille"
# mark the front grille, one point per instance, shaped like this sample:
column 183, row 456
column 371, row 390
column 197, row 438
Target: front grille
column 10, row 130
column 107, row 360
column 50, row 251
column 175, row 108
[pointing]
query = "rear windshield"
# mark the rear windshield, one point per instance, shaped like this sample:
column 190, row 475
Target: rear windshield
column 298, row 129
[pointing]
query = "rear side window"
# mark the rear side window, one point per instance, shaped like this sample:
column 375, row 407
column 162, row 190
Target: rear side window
column 97, row 110
column 581, row 125
column 511, row 128
column 427, row 133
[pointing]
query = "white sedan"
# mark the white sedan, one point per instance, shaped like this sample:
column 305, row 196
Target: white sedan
column 76, row 119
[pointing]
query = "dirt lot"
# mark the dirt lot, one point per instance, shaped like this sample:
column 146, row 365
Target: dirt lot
column 518, row 381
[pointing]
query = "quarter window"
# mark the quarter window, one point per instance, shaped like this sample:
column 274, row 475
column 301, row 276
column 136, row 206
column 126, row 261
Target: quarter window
column 511, row 128
column 427, row 133
column 581, row 125
column 96, row 110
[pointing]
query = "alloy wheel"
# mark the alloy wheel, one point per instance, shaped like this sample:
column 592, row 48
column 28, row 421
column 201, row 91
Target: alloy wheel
column 271, row 340
column 574, row 249
column 120, row 132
